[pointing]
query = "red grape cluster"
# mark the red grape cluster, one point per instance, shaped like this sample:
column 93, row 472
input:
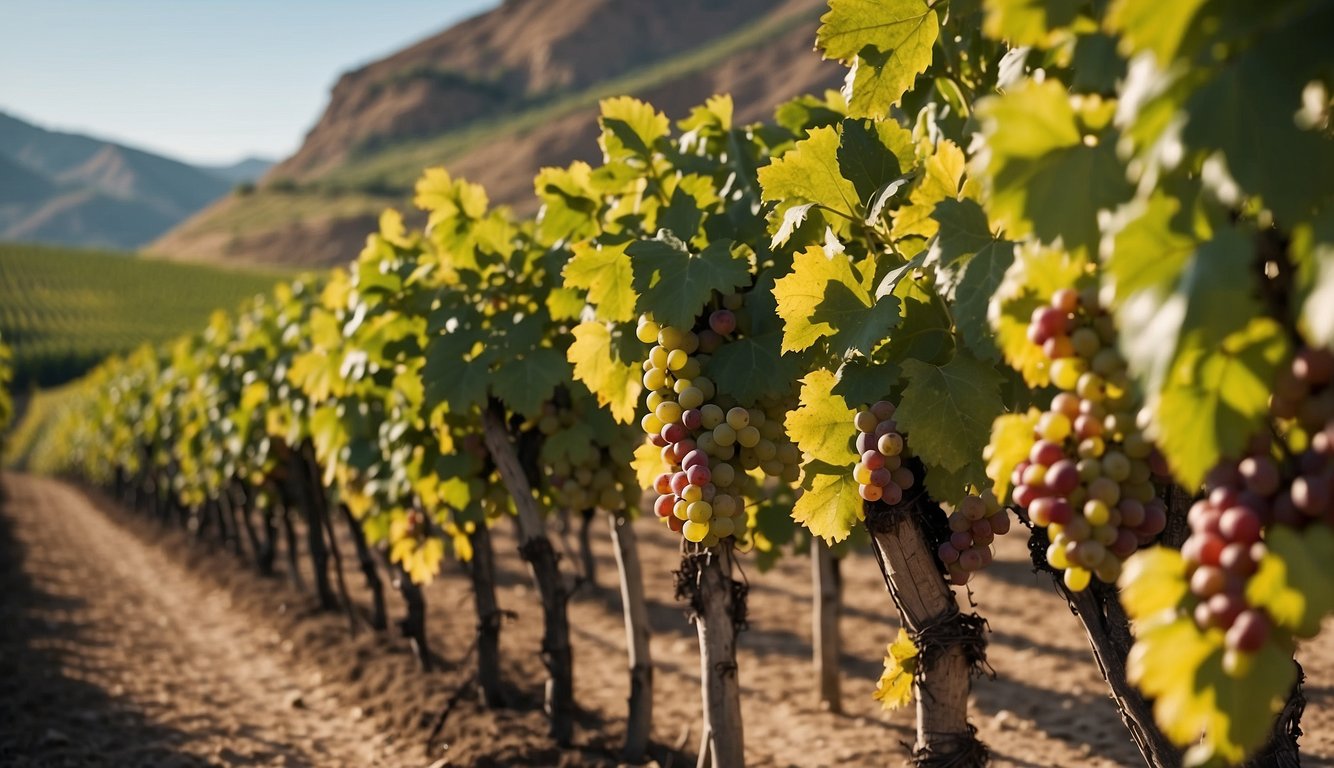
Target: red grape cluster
column 1226, row 545
column 974, row 524
column 1088, row 476
column 709, row 442
column 880, row 473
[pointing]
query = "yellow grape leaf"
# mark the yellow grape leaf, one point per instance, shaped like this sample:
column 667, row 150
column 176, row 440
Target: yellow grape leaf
column 617, row 385
column 894, row 690
column 822, row 426
column 1011, row 440
column 604, row 271
column 648, row 464
column 942, row 175
column 446, row 198
column 1153, row 581
column 830, row 507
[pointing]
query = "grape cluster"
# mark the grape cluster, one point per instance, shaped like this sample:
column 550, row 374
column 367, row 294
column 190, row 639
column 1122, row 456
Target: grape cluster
column 599, row 478
column 710, row 442
column 974, row 523
column 1088, row 478
column 880, row 473
column 1242, row 498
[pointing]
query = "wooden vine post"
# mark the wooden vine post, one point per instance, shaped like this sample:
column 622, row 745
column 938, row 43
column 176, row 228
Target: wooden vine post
column 942, row 634
column 717, row 608
column 639, row 721
column 827, row 590
column 483, row 572
column 536, row 550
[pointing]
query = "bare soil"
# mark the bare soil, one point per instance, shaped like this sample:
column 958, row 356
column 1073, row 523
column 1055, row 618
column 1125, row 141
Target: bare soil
column 125, row 644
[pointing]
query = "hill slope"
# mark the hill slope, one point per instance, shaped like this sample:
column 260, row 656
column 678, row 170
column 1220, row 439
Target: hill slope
column 497, row 97
column 76, row 190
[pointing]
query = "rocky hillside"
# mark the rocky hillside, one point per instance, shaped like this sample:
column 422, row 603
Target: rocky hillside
column 76, row 190
column 497, row 97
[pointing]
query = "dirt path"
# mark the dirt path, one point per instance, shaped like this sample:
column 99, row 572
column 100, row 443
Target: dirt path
column 123, row 645
column 152, row 666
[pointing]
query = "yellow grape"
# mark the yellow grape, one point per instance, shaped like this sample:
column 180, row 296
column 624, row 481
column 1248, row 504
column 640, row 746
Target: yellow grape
column 723, row 474
column 1077, row 579
column 711, row 415
column 722, row 527
column 647, row 331
column 690, row 397
column 654, row 400
column 651, row 423
column 692, row 493
column 1065, row 372
column 724, row 435
column 677, row 359
column 738, row 418
column 748, row 437
column 679, row 510
column 658, row 356
column 699, row 512
column 695, row 532
column 861, row 474
column 655, row 379
column 766, row 450
column 668, row 412
column 673, row 338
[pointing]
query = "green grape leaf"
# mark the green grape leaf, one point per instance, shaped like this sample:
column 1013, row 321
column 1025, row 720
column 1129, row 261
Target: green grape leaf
column 1152, row 25
column 747, row 368
column 982, row 275
column 1216, row 397
column 616, row 385
column 604, row 271
column 822, row 424
column 565, row 304
column 524, row 384
column 452, row 378
column 860, row 383
column 823, row 297
column 941, row 179
column 1035, row 150
column 674, row 285
column 1028, row 22
column 963, row 230
column 866, row 158
column 890, row 42
column 447, row 198
column 947, row 411
column 830, row 506
column 630, row 128
column 574, row 444
column 1293, row 583
column 1150, row 250
column 809, row 173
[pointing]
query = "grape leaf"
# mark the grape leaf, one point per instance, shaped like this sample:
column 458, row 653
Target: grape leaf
column 674, row 285
column 823, row 297
column 1153, row 25
column 822, row 425
column 894, row 689
column 1028, row 22
column 525, row 383
column 830, row 506
column 446, row 198
column 604, row 271
column 1294, row 583
column 1035, row 150
column 1216, row 397
column 982, row 275
column 866, row 157
column 890, row 41
column 747, row 368
column 616, row 385
column 1150, row 250
column 947, row 410
column 630, row 128
column 942, row 177
column 1153, row 580
column 648, row 464
column 569, row 203
column 1030, row 281
column 809, row 173
column 1011, row 440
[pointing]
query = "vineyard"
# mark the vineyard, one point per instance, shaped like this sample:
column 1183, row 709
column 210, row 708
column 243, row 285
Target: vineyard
column 64, row 310
column 1048, row 278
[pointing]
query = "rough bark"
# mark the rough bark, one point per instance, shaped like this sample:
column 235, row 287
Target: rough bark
column 716, row 616
column 536, row 550
column 378, row 618
column 639, row 722
column 413, row 624
column 827, row 589
column 489, row 616
column 587, row 563
column 931, row 615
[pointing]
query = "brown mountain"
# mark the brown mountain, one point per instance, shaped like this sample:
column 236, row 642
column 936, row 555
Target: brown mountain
column 497, row 97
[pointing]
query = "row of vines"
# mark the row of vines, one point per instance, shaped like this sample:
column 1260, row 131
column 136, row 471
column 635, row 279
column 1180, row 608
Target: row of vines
column 1062, row 266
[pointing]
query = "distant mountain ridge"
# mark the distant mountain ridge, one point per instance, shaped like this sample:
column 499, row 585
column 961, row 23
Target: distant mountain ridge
column 73, row 189
column 497, row 97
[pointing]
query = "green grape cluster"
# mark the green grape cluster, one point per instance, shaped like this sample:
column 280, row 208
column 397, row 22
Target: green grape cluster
column 1088, row 478
column 714, row 447
column 599, row 478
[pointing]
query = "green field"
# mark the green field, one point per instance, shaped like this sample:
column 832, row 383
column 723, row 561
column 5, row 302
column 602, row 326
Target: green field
column 63, row 309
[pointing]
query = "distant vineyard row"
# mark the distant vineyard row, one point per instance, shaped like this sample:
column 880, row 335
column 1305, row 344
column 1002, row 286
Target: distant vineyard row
column 63, row 310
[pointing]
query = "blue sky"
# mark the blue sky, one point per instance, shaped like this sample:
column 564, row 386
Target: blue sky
column 200, row 80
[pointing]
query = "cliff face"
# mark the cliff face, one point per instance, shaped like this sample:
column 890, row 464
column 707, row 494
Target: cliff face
column 495, row 99
column 523, row 51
